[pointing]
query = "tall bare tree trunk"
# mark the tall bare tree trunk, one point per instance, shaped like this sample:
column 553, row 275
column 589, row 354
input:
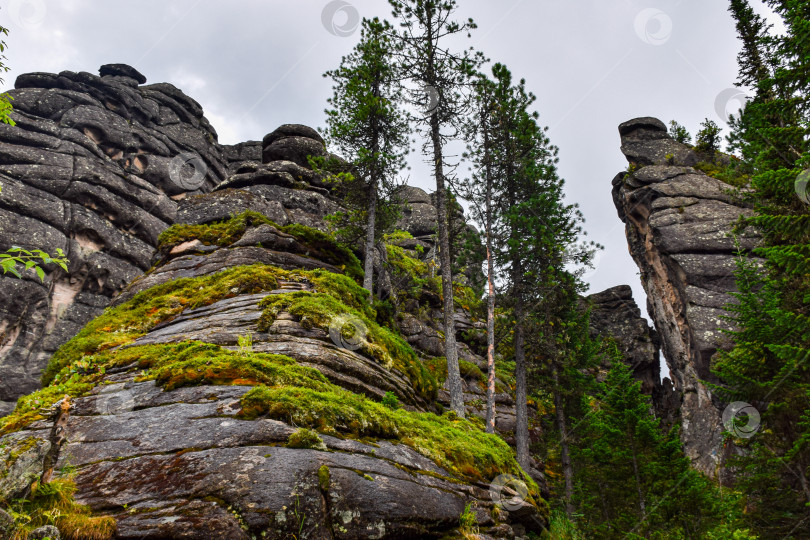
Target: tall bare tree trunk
column 490, row 423
column 521, row 394
column 637, row 476
column 368, row 282
column 565, row 455
column 490, row 414
column 450, row 348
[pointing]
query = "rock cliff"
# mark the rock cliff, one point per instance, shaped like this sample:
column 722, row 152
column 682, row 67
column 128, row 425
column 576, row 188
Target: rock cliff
column 678, row 223
column 94, row 166
column 614, row 313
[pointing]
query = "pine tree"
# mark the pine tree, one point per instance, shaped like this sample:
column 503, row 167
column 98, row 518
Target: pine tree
column 537, row 231
column 769, row 364
column 371, row 130
column 445, row 76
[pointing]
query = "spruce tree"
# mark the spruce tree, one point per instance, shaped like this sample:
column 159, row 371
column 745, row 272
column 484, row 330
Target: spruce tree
column 369, row 126
column 445, row 76
column 768, row 366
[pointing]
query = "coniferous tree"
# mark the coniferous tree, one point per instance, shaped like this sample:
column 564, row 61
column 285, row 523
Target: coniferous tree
column 480, row 190
column 370, row 129
column 444, row 76
column 539, row 232
column 768, row 366
column 634, row 481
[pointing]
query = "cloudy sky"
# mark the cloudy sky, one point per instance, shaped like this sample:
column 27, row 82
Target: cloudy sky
column 256, row 64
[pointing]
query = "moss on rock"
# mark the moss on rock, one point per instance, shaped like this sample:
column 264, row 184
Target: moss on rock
column 458, row 445
column 225, row 233
column 125, row 323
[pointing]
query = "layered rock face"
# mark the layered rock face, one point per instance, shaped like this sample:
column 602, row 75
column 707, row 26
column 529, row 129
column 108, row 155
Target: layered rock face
column 614, row 313
column 678, row 223
column 185, row 462
column 94, row 166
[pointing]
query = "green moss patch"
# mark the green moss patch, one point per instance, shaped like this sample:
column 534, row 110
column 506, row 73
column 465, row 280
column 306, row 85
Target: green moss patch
column 730, row 174
column 225, row 233
column 306, row 438
column 321, row 310
column 125, row 323
column 455, row 444
column 193, row 364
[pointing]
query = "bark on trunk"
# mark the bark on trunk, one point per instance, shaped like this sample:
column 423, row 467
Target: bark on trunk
column 451, row 351
column 641, row 506
column 521, row 394
column 565, row 456
column 490, row 415
column 368, row 282
column 490, row 424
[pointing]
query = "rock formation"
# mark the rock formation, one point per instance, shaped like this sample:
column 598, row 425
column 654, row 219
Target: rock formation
column 614, row 313
column 187, row 459
column 678, row 222
column 245, row 275
column 94, row 166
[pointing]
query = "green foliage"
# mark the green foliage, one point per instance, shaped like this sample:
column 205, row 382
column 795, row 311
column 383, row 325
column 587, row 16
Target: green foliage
column 371, row 130
column 633, row 481
column 731, row 174
column 467, row 523
column 560, row 527
column 5, row 98
column 54, row 504
column 708, row 138
column 305, row 438
column 30, row 260
column 679, row 133
column 391, row 401
column 768, row 364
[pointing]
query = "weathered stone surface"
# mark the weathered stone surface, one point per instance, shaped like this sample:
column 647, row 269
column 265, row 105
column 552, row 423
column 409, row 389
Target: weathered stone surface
column 87, row 169
column 614, row 313
column 678, row 223
column 48, row 532
column 122, row 70
column 645, row 141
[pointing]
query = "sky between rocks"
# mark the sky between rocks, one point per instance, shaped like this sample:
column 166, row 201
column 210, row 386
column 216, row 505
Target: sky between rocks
column 256, row 64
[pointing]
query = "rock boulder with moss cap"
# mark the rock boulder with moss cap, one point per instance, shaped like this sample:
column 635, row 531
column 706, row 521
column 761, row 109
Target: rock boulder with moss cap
column 224, row 394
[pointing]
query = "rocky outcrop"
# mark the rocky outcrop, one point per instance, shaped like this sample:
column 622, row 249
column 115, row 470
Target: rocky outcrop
column 615, row 314
column 185, row 462
column 94, row 166
column 678, row 223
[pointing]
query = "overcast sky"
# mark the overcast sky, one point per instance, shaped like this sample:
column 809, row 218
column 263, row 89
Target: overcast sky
column 256, row 64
